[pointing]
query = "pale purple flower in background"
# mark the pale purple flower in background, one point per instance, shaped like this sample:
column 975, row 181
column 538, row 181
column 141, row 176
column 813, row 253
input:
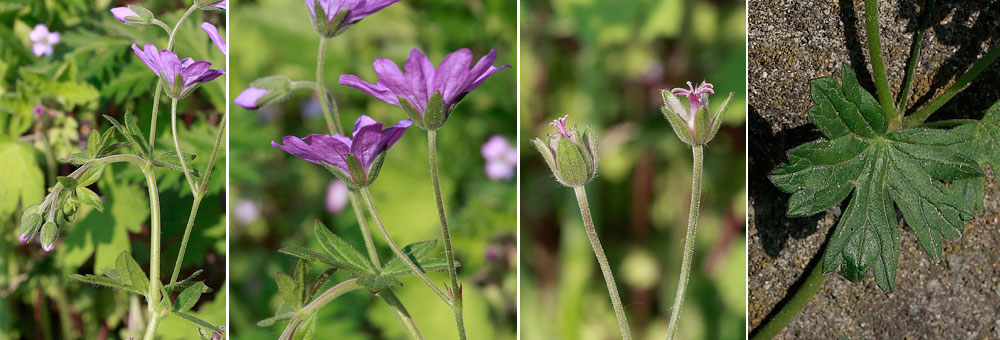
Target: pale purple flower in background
column 246, row 212
column 249, row 97
column 170, row 68
column 39, row 110
column 312, row 108
column 336, row 196
column 43, row 40
column 453, row 79
column 213, row 33
column 358, row 9
column 368, row 142
column 697, row 98
column 121, row 13
column 501, row 158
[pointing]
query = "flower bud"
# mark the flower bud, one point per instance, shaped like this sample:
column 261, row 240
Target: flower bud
column 571, row 156
column 265, row 91
column 133, row 15
column 695, row 125
column 30, row 221
column 48, row 237
column 211, row 5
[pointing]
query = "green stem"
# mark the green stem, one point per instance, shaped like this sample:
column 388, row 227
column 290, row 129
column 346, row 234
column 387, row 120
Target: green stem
column 153, row 297
column 697, row 152
column 405, row 320
column 799, row 301
column 154, row 321
column 878, row 66
column 449, row 254
column 332, row 122
column 922, row 114
column 917, row 40
column 365, row 231
column 198, row 196
column 366, row 196
column 159, row 84
column 602, row 260
column 177, row 146
column 320, row 301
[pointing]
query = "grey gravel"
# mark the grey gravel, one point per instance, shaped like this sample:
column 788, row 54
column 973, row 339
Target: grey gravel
column 792, row 42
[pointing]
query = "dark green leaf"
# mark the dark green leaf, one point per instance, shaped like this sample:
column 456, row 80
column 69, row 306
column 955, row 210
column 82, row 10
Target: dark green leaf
column 375, row 283
column 169, row 160
column 343, row 254
column 92, row 174
column 937, row 151
column 838, row 110
column 189, row 297
column 820, row 174
column 77, row 159
column 970, row 190
column 133, row 141
column 309, row 255
column 94, row 143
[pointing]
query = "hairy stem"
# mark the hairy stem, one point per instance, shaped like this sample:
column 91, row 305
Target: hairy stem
column 980, row 65
column 405, row 320
column 320, row 301
column 153, row 297
column 449, row 254
column 159, row 84
column 692, row 230
column 332, row 122
column 399, row 252
column 917, row 39
column 602, row 260
column 177, row 146
column 792, row 308
column 878, row 66
column 154, row 321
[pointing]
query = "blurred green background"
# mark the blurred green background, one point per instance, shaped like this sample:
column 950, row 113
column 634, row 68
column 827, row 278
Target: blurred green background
column 93, row 72
column 277, row 197
column 604, row 63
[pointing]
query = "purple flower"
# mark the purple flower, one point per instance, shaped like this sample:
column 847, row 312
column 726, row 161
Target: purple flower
column 337, row 15
column 213, row 33
column 250, row 97
column 697, row 98
column 246, row 212
column 220, row 4
column 121, row 13
column 427, row 94
column 501, row 158
column 336, row 196
column 43, row 40
column 356, row 160
column 39, row 110
column 181, row 76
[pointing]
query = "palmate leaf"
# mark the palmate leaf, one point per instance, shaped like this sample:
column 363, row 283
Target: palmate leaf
column 904, row 169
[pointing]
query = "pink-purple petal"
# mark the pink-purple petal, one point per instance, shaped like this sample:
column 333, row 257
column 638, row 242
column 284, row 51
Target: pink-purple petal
column 249, row 97
column 120, row 13
column 452, row 75
column 213, row 33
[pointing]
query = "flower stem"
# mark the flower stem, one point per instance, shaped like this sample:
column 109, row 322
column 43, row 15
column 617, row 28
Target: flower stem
column 153, row 297
column 878, row 66
column 177, row 146
column 154, row 321
column 921, row 115
column 320, row 301
column 159, row 84
column 332, row 122
column 409, row 326
column 602, row 260
column 399, row 252
column 917, row 39
column 697, row 152
column 449, row 254
column 792, row 308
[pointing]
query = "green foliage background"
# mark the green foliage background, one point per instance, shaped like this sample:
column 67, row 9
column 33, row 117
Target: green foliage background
column 604, row 63
column 277, row 197
column 94, row 72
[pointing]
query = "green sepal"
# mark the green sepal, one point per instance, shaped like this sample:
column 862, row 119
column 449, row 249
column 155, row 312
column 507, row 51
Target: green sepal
column 31, row 220
column 673, row 111
column 357, row 174
column 89, row 197
column 344, row 177
column 718, row 117
column 376, row 167
column 91, row 175
column 278, row 88
column 547, row 153
column 48, row 235
column 702, row 125
column 337, row 24
column 189, row 297
column 571, row 164
column 416, row 117
column 435, row 114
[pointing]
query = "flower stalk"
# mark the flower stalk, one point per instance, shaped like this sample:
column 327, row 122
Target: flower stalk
column 602, row 260
column 456, row 288
column 692, row 231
